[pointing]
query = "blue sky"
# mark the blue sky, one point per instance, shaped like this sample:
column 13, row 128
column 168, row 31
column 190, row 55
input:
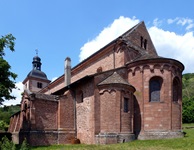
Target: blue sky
column 78, row 28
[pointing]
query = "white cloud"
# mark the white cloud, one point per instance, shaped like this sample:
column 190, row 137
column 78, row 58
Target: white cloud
column 53, row 79
column 183, row 22
column 17, row 93
column 157, row 22
column 108, row 34
column 168, row 44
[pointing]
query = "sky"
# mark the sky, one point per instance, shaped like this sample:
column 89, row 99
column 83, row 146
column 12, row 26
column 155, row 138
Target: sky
column 78, row 28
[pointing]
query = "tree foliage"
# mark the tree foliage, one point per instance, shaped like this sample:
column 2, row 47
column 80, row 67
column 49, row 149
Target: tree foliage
column 5, row 114
column 188, row 98
column 6, row 76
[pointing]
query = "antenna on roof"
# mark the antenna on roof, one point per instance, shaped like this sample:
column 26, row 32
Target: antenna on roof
column 36, row 52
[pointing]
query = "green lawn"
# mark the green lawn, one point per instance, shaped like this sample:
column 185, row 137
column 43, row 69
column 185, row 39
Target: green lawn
column 186, row 143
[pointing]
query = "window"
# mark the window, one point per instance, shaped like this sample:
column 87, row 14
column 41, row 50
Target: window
column 39, row 85
column 126, row 105
column 176, row 89
column 145, row 44
column 81, row 97
column 141, row 41
column 155, row 87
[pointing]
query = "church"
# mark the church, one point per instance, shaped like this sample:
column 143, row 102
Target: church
column 123, row 92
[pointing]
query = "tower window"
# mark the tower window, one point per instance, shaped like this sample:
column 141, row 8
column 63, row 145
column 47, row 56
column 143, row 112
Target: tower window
column 126, row 105
column 39, row 85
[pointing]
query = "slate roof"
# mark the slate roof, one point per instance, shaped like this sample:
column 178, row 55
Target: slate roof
column 115, row 78
column 37, row 74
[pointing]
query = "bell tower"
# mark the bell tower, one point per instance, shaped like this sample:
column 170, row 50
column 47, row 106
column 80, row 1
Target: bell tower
column 36, row 79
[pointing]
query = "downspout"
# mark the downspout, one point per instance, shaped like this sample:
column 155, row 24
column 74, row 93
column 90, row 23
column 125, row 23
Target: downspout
column 75, row 116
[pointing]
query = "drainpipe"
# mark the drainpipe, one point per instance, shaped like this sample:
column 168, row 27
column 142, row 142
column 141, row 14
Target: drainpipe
column 75, row 117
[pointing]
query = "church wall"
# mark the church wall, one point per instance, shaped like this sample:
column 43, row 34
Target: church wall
column 176, row 116
column 105, row 62
column 110, row 112
column 66, row 112
column 127, row 117
column 135, row 39
column 45, row 114
column 155, row 116
column 33, row 85
column 135, row 79
column 85, row 112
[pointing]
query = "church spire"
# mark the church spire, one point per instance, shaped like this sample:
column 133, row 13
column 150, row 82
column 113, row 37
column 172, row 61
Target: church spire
column 36, row 62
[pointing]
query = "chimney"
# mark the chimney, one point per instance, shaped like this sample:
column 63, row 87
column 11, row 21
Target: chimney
column 67, row 71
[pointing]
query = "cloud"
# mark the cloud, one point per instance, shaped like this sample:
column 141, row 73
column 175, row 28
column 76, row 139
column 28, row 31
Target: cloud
column 108, row 34
column 157, row 22
column 53, row 79
column 183, row 22
column 17, row 93
column 168, row 44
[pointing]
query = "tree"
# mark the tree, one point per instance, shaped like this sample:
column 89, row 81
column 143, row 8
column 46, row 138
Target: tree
column 6, row 76
column 188, row 98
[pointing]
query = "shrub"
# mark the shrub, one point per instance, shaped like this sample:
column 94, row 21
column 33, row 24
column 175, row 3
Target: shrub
column 6, row 144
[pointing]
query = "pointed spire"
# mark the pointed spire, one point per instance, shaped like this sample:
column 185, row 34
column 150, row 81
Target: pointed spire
column 36, row 62
column 36, row 52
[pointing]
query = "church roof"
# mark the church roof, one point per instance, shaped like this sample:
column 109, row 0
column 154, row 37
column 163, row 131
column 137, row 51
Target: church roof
column 115, row 78
column 37, row 74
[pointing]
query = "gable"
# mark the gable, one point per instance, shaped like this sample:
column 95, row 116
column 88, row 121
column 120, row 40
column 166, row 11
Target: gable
column 139, row 37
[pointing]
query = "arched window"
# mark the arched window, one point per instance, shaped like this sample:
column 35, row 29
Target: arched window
column 155, row 88
column 80, row 97
column 176, row 89
column 126, row 104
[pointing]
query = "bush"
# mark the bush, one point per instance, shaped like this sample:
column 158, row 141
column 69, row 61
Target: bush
column 6, row 144
column 24, row 145
column 188, row 110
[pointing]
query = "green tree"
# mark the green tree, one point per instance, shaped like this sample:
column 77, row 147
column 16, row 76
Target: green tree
column 6, row 76
column 188, row 98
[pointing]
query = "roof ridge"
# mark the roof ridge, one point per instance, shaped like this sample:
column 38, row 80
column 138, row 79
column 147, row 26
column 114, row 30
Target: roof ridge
column 114, row 78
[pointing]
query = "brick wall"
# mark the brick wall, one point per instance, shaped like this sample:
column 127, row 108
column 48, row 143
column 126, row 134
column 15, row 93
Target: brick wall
column 162, row 116
column 45, row 114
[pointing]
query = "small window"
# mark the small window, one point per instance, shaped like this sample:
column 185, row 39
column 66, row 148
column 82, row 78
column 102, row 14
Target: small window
column 155, row 87
column 126, row 105
column 145, row 44
column 176, row 90
column 141, row 41
column 39, row 85
column 82, row 97
column 99, row 70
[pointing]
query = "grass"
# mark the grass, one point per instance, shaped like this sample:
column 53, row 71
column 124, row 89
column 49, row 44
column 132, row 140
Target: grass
column 186, row 143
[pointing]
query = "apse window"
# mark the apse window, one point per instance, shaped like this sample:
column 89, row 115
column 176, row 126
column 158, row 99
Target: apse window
column 39, row 85
column 126, row 105
column 176, row 89
column 155, row 88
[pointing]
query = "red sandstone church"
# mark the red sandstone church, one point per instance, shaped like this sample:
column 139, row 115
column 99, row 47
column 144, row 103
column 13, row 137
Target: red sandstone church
column 124, row 91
